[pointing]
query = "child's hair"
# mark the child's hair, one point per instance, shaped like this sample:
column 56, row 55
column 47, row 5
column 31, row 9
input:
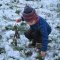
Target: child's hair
column 29, row 14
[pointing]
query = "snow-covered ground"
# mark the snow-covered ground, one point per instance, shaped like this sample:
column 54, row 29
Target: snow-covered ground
column 10, row 10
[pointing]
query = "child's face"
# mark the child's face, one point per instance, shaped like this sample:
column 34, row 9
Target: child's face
column 31, row 22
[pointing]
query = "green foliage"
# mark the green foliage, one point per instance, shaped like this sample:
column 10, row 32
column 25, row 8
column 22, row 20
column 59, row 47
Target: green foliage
column 15, row 27
column 29, row 0
column 18, row 48
column 23, row 24
column 5, row 17
column 58, row 7
column 28, row 53
column 58, row 15
column 11, row 7
column 49, row 41
column 15, row 41
column 58, row 58
column 0, row 4
column 0, row 36
column 33, row 0
column 9, row 27
column 7, row 4
column 21, row 28
column 2, row 50
column 41, row 6
column 17, row 11
column 55, row 54
column 6, row 28
column 58, row 27
column 14, row 0
column 58, row 10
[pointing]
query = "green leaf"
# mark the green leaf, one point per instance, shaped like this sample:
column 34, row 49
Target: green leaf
column 0, row 4
column 17, row 11
column 0, row 36
column 2, row 50
column 18, row 48
column 28, row 53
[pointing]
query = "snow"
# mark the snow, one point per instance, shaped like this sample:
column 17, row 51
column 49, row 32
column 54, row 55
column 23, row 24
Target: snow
column 8, row 17
column 5, row 1
column 1, row 57
column 8, row 33
column 14, row 54
column 8, row 48
column 24, row 40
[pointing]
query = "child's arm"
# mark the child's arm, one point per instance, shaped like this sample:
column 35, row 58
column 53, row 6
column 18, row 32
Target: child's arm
column 19, row 20
column 44, row 40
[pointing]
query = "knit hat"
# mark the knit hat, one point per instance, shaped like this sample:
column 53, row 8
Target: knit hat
column 29, row 14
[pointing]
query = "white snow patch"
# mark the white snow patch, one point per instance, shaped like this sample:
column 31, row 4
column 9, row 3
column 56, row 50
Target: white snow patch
column 14, row 54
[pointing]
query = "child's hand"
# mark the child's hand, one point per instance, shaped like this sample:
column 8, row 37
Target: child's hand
column 18, row 20
column 43, row 54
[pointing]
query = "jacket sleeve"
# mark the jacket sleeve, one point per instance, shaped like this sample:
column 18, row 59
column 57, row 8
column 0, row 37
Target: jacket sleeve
column 28, row 34
column 44, row 37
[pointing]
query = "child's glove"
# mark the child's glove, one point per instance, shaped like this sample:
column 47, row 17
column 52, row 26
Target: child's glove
column 42, row 53
column 18, row 20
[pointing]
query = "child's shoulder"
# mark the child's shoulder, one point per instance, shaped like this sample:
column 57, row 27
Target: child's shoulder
column 42, row 20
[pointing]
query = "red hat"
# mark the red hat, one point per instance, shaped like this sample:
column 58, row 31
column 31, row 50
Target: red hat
column 29, row 14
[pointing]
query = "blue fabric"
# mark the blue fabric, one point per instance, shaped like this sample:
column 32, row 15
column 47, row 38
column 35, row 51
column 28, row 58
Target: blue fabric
column 45, row 30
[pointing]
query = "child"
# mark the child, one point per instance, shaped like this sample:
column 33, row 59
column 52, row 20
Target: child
column 39, row 29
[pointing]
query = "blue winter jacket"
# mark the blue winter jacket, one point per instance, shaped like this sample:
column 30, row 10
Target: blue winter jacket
column 45, row 30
